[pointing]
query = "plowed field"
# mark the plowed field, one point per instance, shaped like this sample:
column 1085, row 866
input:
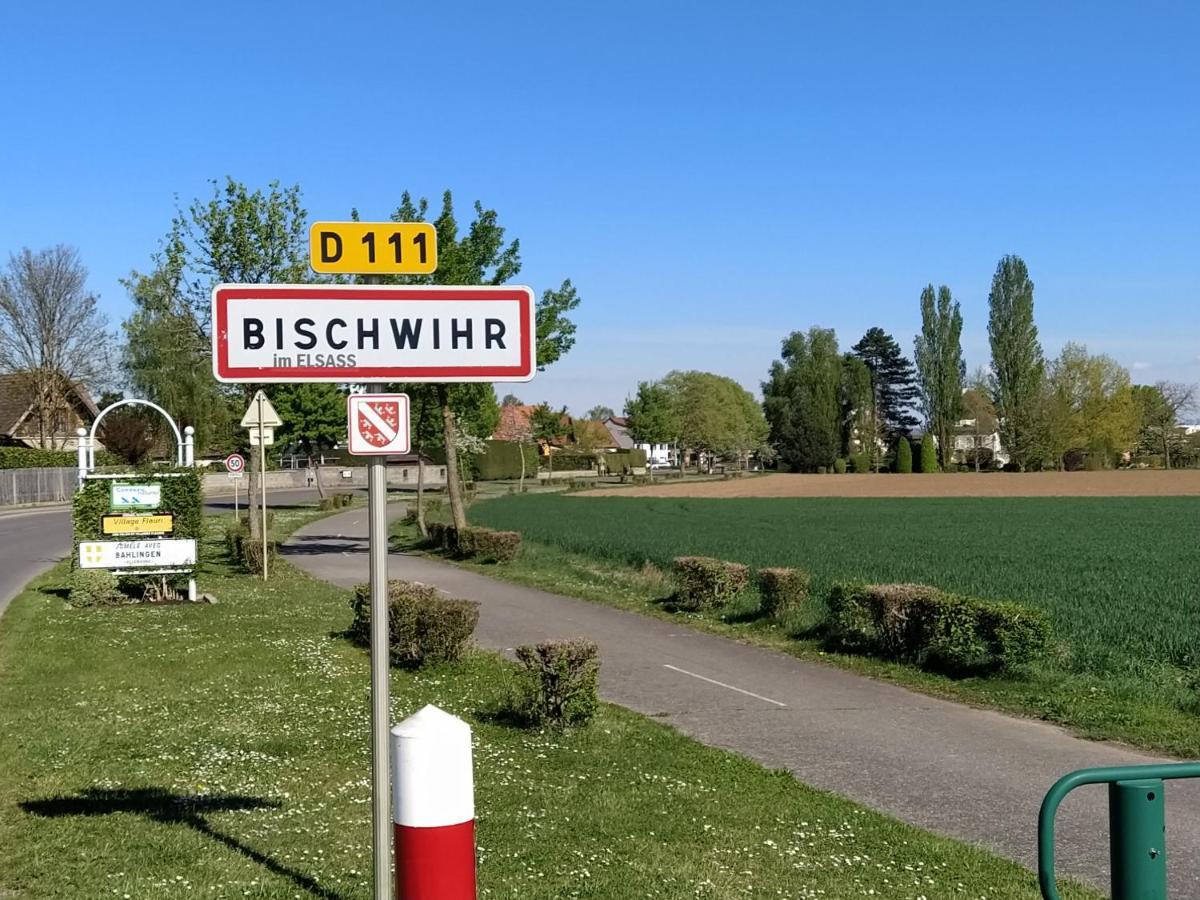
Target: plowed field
column 1155, row 483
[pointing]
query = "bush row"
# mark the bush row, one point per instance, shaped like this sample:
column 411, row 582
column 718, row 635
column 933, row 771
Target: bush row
column 705, row 583
column 946, row 632
column 481, row 544
column 909, row 623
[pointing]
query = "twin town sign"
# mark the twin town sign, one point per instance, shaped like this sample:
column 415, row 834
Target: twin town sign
column 369, row 333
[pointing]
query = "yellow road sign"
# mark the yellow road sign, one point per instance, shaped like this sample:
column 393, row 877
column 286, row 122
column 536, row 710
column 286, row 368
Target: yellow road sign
column 372, row 248
column 163, row 524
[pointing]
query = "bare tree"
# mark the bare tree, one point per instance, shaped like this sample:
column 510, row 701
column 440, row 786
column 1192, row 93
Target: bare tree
column 51, row 332
column 1162, row 408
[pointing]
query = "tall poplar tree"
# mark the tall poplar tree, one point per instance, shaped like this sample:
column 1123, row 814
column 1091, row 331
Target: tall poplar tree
column 938, row 351
column 1018, row 364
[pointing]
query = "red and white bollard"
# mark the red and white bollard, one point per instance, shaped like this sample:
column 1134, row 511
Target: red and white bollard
column 433, row 807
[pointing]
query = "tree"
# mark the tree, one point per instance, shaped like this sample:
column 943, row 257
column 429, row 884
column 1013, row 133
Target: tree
column 481, row 256
column 904, row 456
column 893, row 381
column 652, row 418
column 51, row 333
column 1018, row 365
column 511, row 400
column 802, row 400
column 1089, row 406
column 716, row 416
column 314, row 418
column 980, row 412
column 236, row 235
column 938, row 351
column 599, row 413
column 1160, row 407
column 549, row 426
column 858, row 403
column 929, row 454
column 128, row 433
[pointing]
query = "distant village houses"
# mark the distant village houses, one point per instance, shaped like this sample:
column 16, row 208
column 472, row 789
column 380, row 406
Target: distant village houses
column 46, row 425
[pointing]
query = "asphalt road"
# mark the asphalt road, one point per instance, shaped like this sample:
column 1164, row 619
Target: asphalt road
column 34, row 539
column 969, row 773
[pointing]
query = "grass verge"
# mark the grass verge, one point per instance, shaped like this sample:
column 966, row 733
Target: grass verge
column 1089, row 704
column 197, row 750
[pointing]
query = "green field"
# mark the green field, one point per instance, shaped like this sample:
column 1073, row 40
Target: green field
column 1119, row 576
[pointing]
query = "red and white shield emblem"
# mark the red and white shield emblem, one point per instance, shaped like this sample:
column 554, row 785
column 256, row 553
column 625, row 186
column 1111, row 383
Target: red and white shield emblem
column 379, row 424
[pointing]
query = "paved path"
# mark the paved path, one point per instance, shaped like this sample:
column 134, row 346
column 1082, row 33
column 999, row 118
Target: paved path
column 972, row 774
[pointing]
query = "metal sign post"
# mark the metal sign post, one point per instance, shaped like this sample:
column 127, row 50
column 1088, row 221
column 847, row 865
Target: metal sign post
column 381, row 821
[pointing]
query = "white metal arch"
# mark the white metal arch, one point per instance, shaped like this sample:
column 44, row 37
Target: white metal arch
column 181, row 457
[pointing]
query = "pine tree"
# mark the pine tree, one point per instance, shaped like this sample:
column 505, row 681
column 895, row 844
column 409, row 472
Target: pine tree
column 893, row 380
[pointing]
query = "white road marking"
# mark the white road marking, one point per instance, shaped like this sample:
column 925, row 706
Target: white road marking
column 724, row 685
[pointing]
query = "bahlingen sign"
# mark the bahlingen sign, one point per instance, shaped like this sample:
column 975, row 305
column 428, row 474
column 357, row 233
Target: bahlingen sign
column 364, row 333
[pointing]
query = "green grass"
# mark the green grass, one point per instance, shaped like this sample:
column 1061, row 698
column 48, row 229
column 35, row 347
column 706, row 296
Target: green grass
column 221, row 751
column 1117, row 577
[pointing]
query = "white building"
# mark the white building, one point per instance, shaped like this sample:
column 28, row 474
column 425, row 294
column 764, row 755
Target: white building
column 658, row 455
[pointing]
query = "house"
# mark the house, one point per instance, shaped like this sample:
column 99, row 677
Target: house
column 656, row 454
column 968, row 441
column 21, row 423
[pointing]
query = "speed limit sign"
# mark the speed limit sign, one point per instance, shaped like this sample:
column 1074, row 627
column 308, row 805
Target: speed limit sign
column 235, row 463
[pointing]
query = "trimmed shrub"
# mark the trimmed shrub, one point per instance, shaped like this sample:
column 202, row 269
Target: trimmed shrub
column 423, row 626
column 623, row 462
column 336, row 501
column 558, row 687
column 783, row 591
column 860, row 463
column 236, row 532
column 94, row 587
column 489, row 545
column 705, row 582
column 919, row 624
column 33, row 458
column 839, row 466
column 822, row 470
column 252, row 554
column 181, row 497
column 929, row 460
column 443, row 536
column 904, row 458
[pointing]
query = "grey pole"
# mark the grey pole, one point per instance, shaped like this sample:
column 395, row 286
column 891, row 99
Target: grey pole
column 381, row 820
column 262, row 482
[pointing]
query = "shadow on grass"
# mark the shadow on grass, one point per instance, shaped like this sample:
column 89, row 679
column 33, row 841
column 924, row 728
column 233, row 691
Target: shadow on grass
column 168, row 808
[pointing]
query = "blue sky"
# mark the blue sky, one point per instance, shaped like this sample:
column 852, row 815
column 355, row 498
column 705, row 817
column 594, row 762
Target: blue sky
column 711, row 176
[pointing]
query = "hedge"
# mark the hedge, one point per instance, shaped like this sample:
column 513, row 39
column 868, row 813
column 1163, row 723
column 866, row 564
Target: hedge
column 34, row 458
column 623, row 462
column 945, row 632
column 501, row 461
column 565, row 462
column 473, row 542
column 181, row 497
column 705, row 582
column 424, row 627
column 783, row 591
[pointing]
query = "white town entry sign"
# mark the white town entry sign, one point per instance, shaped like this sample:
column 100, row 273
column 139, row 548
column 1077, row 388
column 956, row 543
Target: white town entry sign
column 372, row 333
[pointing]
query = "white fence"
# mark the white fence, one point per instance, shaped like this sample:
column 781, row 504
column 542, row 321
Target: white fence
column 37, row 485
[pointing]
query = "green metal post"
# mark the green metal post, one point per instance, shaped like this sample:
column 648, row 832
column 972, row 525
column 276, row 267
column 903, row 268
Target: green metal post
column 1137, row 834
column 1137, row 822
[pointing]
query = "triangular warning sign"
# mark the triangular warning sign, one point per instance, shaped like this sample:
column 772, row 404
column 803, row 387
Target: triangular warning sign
column 264, row 416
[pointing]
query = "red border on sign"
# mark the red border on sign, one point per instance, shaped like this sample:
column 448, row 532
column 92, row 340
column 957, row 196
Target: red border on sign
column 283, row 293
